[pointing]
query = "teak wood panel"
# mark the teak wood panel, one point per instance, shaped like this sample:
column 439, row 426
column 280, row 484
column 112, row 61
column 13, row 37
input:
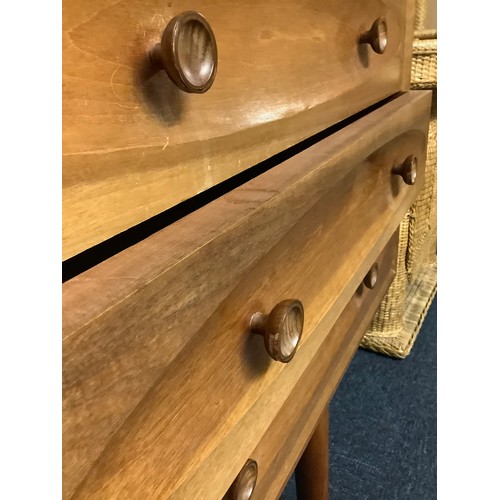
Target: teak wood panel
column 135, row 145
column 159, row 371
column 281, row 446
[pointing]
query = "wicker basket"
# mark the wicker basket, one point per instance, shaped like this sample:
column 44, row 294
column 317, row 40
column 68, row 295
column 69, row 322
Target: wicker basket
column 422, row 214
column 397, row 321
column 424, row 60
column 418, row 298
column 420, row 15
column 422, row 226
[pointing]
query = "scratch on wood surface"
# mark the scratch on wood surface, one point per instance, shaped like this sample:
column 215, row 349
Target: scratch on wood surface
column 113, row 78
column 113, row 89
column 141, row 27
column 140, row 160
column 269, row 146
column 159, row 19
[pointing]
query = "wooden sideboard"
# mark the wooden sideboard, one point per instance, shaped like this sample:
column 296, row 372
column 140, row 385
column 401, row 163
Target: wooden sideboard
column 199, row 361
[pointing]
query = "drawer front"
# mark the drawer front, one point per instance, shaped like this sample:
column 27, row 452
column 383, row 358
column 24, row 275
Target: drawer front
column 282, row 445
column 134, row 144
column 160, row 368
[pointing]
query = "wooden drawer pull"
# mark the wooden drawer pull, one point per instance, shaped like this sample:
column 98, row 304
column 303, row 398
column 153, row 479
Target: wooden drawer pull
column 244, row 484
column 376, row 36
column 281, row 329
column 407, row 170
column 188, row 52
column 371, row 277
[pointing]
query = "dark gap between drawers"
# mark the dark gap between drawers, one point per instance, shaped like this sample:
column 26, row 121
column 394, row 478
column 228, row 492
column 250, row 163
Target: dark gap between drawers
column 95, row 255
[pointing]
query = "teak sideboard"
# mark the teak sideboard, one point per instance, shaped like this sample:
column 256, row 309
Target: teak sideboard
column 234, row 176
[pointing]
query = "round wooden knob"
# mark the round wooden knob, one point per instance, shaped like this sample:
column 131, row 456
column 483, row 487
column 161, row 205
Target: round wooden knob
column 281, row 329
column 371, row 277
column 407, row 170
column 376, row 36
column 188, row 52
column 244, row 484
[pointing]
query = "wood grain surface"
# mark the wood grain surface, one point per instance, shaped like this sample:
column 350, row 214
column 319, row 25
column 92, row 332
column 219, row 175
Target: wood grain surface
column 160, row 372
column 134, row 144
column 284, row 441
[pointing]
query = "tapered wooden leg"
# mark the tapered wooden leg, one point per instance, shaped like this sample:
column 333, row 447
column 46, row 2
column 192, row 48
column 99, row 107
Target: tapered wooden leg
column 311, row 473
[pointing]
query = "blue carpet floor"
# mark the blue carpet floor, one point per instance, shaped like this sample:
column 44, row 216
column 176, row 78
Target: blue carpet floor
column 383, row 425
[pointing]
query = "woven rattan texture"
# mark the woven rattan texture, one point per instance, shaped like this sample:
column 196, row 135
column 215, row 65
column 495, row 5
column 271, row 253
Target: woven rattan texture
column 424, row 60
column 422, row 214
column 421, row 7
column 421, row 292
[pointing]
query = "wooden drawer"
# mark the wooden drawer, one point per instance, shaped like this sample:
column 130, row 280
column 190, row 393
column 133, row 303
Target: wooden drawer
column 135, row 145
column 160, row 371
column 284, row 441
